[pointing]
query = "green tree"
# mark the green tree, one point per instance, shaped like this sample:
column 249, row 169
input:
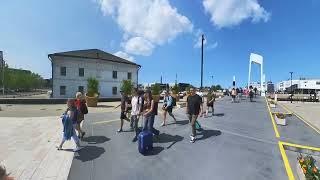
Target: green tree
column 175, row 89
column 127, row 87
column 155, row 89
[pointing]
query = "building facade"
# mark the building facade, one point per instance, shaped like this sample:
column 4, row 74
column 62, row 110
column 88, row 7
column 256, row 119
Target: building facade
column 305, row 86
column 70, row 71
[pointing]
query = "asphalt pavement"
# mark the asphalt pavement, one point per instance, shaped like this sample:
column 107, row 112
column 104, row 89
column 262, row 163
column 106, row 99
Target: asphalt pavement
column 237, row 143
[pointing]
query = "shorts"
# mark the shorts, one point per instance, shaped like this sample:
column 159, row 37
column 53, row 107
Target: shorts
column 123, row 115
column 233, row 96
column 169, row 109
column 210, row 104
column 80, row 117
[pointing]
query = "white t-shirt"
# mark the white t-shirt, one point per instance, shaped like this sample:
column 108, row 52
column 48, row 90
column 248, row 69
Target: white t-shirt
column 136, row 105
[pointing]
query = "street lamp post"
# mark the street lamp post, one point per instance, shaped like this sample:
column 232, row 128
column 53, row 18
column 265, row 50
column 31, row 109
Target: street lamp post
column 291, row 87
column 202, row 40
column 212, row 80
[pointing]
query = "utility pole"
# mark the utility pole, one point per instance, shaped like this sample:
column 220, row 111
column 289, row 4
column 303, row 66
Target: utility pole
column 212, row 80
column 176, row 78
column 291, row 86
column 202, row 40
column 3, row 67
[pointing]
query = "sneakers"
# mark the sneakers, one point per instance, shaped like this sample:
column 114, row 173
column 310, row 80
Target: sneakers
column 193, row 139
column 119, row 130
column 59, row 148
column 135, row 139
column 76, row 149
column 163, row 124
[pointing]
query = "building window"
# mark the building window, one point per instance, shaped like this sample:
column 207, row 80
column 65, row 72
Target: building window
column 318, row 82
column 81, row 72
column 114, row 90
column 62, row 90
column 63, row 71
column 80, row 89
column 129, row 75
column 115, row 74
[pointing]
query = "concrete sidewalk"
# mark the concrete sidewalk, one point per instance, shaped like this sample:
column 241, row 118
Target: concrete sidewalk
column 308, row 110
column 28, row 148
column 237, row 143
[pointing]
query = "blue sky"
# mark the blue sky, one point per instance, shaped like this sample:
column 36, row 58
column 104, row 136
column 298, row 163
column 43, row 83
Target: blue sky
column 161, row 35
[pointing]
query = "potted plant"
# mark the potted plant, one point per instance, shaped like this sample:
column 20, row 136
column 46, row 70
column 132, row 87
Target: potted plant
column 280, row 119
column 175, row 92
column 272, row 104
column 92, row 95
column 155, row 90
column 307, row 168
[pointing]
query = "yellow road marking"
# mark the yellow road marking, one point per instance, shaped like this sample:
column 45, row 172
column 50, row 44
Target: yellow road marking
column 108, row 121
column 273, row 122
column 301, row 146
column 301, row 118
column 286, row 161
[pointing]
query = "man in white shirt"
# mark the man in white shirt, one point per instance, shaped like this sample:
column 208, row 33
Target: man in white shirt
column 136, row 103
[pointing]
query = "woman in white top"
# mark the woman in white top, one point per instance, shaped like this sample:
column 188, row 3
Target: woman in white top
column 136, row 103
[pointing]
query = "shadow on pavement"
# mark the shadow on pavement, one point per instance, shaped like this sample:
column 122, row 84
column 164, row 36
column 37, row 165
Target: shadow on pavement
column 104, row 106
column 183, row 122
column 154, row 151
column 89, row 153
column 219, row 114
column 166, row 138
column 95, row 139
column 208, row 133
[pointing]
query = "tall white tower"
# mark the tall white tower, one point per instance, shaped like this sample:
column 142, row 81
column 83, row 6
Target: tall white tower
column 258, row 59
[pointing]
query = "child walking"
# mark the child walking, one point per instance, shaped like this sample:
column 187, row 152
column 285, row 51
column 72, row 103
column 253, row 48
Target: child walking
column 69, row 121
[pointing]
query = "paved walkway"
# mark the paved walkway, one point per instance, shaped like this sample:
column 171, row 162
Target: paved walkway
column 308, row 110
column 237, row 143
column 29, row 136
column 28, row 148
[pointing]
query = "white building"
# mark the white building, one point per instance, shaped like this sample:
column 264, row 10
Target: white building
column 299, row 86
column 257, row 85
column 70, row 71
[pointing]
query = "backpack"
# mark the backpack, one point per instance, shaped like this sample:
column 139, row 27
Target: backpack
column 174, row 101
column 83, row 108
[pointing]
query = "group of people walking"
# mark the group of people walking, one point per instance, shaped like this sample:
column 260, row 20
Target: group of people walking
column 141, row 106
column 144, row 107
column 237, row 93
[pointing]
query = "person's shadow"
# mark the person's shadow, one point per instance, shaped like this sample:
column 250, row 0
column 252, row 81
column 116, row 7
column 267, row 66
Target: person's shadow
column 167, row 138
column 208, row 133
column 182, row 122
column 89, row 153
column 95, row 139
column 218, row 114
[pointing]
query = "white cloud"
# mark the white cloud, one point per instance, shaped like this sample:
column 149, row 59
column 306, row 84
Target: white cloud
column 198, row 41
column 124, row 55
column 213, row 46
column 229, row 13
column 138, row 46
column 156, row 21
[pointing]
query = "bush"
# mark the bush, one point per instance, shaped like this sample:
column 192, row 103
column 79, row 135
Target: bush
column 127, row 87
column 155, row 89
column 93, row 87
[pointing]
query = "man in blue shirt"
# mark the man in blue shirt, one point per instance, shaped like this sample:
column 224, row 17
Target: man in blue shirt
column 167, row 107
